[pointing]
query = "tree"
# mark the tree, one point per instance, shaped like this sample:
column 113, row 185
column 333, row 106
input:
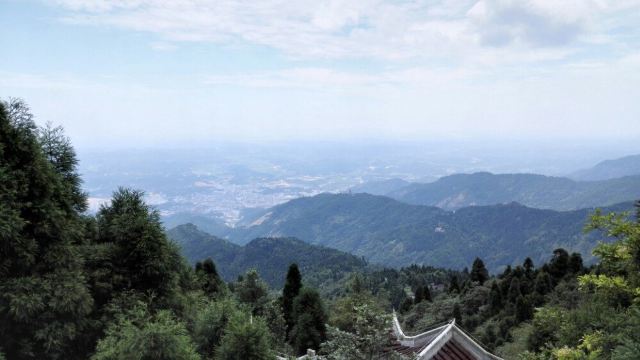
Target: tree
column 543, row 284
column 368, row 340
column 142, row 257
column 456, row 314
column 479, row 272
column 210, row 322
column 310, row 328
column 245, row 337
column 453, row 285
column 212, row 284
column 514, row 290
column 559, row 264
column 44, row 297
column 253, row 291
column 575, row 263
column 495, row 298
column 140, row 335
column 292, row 286
column 528, row 266
column 524, row 310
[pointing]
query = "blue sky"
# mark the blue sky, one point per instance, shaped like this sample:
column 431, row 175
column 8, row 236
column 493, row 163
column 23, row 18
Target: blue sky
column 152, row 72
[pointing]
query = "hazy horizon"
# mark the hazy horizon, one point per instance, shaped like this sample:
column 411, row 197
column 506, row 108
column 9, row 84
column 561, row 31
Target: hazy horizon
column 174, row 73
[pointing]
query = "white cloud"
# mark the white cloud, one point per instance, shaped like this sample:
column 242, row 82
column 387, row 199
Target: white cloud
column 422, row 29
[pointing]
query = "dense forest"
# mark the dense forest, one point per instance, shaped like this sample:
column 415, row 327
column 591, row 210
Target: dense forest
column 113, row 286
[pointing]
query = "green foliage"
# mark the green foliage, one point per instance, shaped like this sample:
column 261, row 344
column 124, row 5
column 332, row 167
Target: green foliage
column 368, row 339
column 251, row 290
column 210, row 322
column 271, row 257
column 245, row 338
column 44, row 297
column 140, row 335
column 363, row 224
column 291, row 289
column 309, row 330
column 211, row 283
column 478, row 272
column 142, row 257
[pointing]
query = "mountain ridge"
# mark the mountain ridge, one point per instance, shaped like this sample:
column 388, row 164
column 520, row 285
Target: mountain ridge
column 392, row 233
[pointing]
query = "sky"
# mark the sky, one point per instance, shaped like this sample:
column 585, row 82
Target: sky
column 119, row 73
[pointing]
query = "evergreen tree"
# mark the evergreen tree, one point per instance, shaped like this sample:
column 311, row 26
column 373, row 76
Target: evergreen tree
column 559, row 264
column 418, row 294
column 495, row 298
column 453, row 285
column 514, row 290
column 575, row 263
column 543, row 284
column 457, row 314
column 524, row 310
column 528, row 266
column 292, row 286
column 252, row 290
column 245, row 338
column 479, row 272
column 139, row 335
column 212, row 284
column 310, row 328
column 142, row 257
column 209, row 324
column 426, row 293
column 44, row 298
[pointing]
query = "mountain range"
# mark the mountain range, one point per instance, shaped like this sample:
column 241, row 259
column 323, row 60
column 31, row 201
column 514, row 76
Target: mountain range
column 610, row 169
column 393, row 233
column 539, row 191
column 270, row 256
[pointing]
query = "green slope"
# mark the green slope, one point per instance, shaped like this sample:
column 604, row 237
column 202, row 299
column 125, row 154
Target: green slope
column 392, row 233
column 270, row 256
column 539, row 191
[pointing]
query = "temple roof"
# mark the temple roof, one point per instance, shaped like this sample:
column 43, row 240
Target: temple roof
column 446, row 342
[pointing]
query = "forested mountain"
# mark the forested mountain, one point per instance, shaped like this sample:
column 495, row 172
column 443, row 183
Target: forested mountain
column 269, row 256
column 610, row 169
column 393, row 233
column 539, row 191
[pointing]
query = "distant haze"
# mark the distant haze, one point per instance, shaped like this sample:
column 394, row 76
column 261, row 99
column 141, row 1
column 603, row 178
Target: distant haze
column 157, row 73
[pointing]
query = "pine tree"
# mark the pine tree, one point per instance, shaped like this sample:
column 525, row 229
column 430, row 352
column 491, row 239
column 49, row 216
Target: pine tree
column 142, row 258
column 453, row 285
column 495, row 298
column 559, row 264
column 292, row 286
column 528, row 266
column 575, row 263
column 426, row 293
column 212, row 284
column 245, row 338
column 479, row 272
column 418, row 294
column 310, row 328
column 140, row 335
column 457, row 314
column 524, row 310
column 514, row 290
column 543, row 283
column 44, row 298
column 252, row 290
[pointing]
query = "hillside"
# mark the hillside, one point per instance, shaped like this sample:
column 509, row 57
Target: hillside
column 270, row 256
column 539, row 191
column 609, row 169
column 393, row 233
